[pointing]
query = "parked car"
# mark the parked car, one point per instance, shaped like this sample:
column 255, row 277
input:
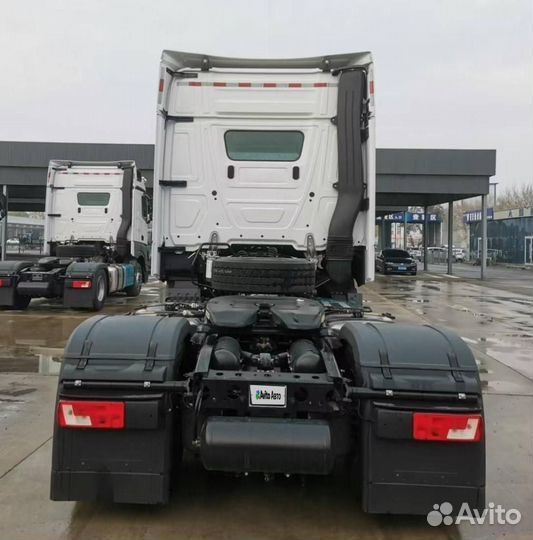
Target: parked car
column 459, row 254
column 415, row 253
column 395, row 261
column 13, row 242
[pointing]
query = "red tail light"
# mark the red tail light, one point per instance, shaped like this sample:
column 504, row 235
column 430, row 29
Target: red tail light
column 82, row 284
column 91, row 414
column 4, row 282
column 161, row 84
column 447, row 427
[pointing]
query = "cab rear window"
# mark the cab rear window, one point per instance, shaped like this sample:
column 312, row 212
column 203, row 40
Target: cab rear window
column 244, row 145
column 93, row 198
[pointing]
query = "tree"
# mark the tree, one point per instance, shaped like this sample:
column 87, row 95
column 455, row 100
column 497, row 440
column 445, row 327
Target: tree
column 515, row 197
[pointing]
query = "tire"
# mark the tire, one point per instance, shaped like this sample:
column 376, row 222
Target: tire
column 99, row 290
column 135, row 289
column 268, row 275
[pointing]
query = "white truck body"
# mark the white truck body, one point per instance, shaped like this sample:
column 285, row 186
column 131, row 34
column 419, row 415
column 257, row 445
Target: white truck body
column 248, row 155
column 84, row 203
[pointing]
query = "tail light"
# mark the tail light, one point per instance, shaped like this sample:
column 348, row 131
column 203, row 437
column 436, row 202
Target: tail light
column 82, row 284
column 5, row 282
column 91, row 414
column 447, row 427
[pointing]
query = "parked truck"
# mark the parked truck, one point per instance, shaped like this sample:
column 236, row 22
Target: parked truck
column 96, row 238
column 263, row 359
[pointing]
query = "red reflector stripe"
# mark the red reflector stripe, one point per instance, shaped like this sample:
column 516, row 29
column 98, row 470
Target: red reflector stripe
column 295, row 85
column 371, row 85
column 320, row 85
column 447, row 427
column 269, row 85
column 82, row 284
column 195, row 83
column 219, row 84
column 91, row 414
column 245, row 84
column 161, row 84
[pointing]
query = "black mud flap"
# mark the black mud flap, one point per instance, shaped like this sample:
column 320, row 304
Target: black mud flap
column 401, row 473
column 350, row 184
column 115, row 360
column 80, row 298
column 9, row 277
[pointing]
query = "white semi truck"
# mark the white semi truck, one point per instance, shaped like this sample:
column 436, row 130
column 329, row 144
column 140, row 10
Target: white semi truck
column 96, row 238
column 263, row 359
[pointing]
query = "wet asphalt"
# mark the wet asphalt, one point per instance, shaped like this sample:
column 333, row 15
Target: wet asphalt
column 495, row 319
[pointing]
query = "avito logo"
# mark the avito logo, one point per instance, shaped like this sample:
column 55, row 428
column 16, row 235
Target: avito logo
column 442, row 514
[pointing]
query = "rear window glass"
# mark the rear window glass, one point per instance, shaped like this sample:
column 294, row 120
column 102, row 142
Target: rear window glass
column 264, row 145
column 93, row 198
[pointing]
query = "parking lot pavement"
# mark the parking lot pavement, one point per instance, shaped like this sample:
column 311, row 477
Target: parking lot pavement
column 496, row 323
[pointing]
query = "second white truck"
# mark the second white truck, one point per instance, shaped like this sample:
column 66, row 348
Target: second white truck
column 96, row 238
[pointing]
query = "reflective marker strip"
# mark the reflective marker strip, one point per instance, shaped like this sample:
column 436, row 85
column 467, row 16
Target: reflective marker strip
column 292, row 85
column 90, row 173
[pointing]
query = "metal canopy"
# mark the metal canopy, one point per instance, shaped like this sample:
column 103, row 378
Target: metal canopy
column 427, row 177
column 405, row 177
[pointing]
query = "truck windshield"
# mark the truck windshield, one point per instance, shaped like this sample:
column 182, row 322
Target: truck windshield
column 264, row 145
column 93, row 198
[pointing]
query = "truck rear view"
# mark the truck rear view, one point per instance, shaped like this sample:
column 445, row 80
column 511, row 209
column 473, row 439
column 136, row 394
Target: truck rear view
column 96, row 238
column 263, row 360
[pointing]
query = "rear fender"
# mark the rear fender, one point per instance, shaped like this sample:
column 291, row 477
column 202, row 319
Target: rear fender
column 132, row 464
column 80, row 298
column 9, row 274
column 400, row 474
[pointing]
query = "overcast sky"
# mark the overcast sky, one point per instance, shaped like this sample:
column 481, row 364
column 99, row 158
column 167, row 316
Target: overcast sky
column 449, row 73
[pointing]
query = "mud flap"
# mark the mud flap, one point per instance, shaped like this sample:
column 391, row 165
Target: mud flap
column 80, row 298
column 132, row 464
column 350, row 185
column 401, row 474
column 9, row 276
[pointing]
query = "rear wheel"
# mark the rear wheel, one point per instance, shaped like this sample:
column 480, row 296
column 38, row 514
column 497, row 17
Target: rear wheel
column 99, row 290
column 269, row 275
column 135, row 289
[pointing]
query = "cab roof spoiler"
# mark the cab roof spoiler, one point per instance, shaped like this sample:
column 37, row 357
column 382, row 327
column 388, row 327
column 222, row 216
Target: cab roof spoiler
column 177, row 60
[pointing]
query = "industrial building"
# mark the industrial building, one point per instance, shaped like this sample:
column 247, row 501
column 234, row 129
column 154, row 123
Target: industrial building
column 509, row 235
column 405, row 177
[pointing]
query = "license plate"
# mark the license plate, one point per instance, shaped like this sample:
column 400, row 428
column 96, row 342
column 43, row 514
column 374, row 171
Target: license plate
column 268, row 396
column 402, row 268
column 36, row 277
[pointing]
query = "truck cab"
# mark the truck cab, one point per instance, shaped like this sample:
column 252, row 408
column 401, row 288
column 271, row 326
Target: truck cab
column 96, row 237
column 265, row 157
